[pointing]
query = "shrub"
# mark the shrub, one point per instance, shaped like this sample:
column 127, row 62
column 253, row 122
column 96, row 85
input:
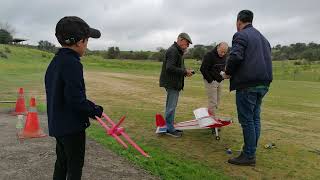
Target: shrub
column 3, row 55
column 5, row 36
column 297, row 63
column 7, row 50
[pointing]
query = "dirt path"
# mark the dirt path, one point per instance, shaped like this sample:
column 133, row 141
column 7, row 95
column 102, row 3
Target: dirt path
column 34, row 158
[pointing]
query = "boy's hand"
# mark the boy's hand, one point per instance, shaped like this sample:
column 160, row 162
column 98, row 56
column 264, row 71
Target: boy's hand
column 98, row 110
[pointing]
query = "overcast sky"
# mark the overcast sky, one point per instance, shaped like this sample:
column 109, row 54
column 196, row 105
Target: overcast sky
column 148, row 24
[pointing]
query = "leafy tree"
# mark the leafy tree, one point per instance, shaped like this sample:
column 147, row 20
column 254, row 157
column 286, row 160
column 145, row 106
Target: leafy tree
column 113, row 53
column 6, row 33
column 198, row 51
column 309, row 52
column 313, row 45
column 47, row 46
column 160, row 55
column 140, row 55
column 277, row 47
column 5, row 37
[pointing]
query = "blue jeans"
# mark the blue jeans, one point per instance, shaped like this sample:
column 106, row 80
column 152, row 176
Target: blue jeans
column 249, row 107
column 171, row 104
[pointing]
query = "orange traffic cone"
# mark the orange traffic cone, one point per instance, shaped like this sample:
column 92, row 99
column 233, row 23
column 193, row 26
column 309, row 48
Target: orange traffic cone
column 32, row 126
column 20, row 104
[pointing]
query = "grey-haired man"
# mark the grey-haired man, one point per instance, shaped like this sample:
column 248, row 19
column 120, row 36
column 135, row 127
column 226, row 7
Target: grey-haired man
column 213, row 63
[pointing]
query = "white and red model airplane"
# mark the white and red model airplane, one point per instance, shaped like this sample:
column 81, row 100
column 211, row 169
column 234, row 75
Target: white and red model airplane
column 203, row 120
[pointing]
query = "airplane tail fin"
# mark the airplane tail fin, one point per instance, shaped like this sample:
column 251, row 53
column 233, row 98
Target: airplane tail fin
column 160, row 120
column 161, row 124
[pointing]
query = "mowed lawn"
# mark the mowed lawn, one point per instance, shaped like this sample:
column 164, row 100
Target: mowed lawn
column 290, row 116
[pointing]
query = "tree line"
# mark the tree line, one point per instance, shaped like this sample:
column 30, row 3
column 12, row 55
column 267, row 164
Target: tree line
column 297, row 51
column 309, row 52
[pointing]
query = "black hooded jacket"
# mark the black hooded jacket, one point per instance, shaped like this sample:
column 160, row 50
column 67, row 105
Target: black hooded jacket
column 212, row 65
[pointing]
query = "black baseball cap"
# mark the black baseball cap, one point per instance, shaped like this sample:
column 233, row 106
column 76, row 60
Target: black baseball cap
column 71, row 29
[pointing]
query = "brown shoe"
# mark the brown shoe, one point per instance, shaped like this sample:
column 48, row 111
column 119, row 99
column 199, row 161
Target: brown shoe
column 243, row 160
column 175, row 134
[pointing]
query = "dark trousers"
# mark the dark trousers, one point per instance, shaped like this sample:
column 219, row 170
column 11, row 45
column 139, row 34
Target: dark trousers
column 70, row 152
column 249, row 107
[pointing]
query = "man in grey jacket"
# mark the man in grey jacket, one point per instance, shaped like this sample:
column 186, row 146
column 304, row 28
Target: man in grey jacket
column 172, row 79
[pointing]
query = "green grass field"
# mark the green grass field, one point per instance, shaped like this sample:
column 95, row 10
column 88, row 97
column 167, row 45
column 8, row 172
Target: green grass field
column 290, row 116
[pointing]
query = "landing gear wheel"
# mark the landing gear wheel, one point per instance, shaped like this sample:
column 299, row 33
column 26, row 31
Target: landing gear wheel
column 213, row 132
column 217, row 138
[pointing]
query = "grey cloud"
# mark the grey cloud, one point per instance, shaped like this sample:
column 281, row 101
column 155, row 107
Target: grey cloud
column 148, row 24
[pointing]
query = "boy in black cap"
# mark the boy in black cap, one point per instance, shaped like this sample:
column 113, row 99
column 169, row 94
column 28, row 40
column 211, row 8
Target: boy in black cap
column 68, row 108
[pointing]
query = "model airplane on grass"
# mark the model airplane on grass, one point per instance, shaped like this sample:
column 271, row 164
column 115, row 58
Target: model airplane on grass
column 203, row 120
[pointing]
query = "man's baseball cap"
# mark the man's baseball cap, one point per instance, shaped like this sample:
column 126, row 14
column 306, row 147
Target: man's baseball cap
column 185, row 36
column 71, row 29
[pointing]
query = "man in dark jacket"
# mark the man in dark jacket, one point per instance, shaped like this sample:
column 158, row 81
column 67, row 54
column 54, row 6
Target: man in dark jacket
column 68, row 108
column 213, row 63
column 172, row 79
column 250, row 68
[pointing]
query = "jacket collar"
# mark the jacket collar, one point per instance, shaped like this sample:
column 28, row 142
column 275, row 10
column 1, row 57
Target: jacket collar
column 247, row 26
column 178, row 47
column 215, row 51
column 68, row 51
